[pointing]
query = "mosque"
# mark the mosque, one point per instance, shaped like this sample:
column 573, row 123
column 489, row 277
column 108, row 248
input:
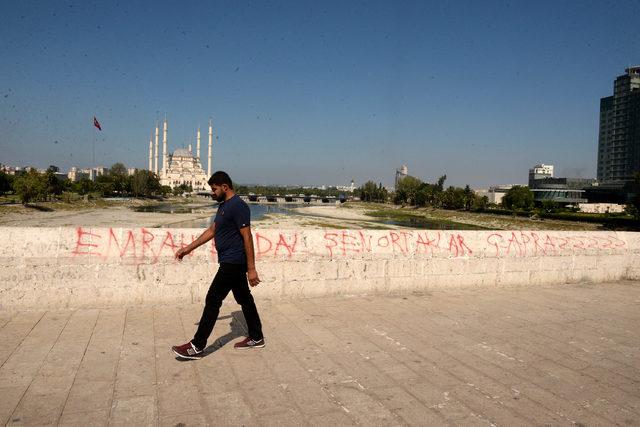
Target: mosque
column 181, row 167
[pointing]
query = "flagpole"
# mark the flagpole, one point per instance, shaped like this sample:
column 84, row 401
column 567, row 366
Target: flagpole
column 95, row 131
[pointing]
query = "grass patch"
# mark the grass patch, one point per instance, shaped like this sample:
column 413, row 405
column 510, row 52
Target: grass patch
column 321, row 224
column 373, row 226
column 180, row 200
column 59, row 205
column 394, row 214
column 345, row 226
column 419, row 218
column 79, row 205
column 8, row 199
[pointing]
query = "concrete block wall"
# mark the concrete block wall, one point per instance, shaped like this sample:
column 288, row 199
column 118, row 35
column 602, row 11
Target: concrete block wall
column 81, row 267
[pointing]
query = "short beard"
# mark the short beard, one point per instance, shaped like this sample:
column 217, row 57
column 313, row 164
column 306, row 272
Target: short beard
column 220, row 198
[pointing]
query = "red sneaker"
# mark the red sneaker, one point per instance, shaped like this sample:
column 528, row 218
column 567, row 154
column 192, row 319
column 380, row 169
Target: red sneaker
column 187, row 351
column 249, row 343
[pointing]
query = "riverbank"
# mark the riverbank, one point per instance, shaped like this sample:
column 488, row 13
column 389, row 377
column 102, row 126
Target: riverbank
column 350, row 215
column 381, row 216
column 100, row 213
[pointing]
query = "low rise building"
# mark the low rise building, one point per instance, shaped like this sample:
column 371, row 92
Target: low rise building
column 546, row 187
column 540, row 171
column 494, row 194
column 76, row 174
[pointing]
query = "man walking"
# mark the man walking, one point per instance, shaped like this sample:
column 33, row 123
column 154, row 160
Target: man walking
column 234, row 244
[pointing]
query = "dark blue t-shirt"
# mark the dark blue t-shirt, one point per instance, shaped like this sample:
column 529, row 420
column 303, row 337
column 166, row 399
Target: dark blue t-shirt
column 232, row 215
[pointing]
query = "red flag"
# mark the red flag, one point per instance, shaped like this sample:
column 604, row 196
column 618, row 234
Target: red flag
column 96, row 123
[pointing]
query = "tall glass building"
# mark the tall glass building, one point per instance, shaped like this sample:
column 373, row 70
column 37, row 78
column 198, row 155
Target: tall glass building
column 619, row 138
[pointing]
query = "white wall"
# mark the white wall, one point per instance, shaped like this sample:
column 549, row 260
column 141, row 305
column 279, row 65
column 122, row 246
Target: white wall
column 80, row 267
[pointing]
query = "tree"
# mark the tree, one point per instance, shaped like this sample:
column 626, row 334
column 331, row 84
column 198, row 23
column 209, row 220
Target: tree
column 367, row 191
column 139, row 181
column 6, row 182
column 480, row 203
column 105, row 185
column 68, row 185
column 118, row 176
column 54, row 184
column 423, row 195
column 370, row 192
column 118, row 169
column 407, row 189
column 453, row 198
column 144, row 183
column 153, row 183
column 84, row 186
column 518, row 197
column 31, row 186
column 382, row 194
column 469, row 197
column 183, row 188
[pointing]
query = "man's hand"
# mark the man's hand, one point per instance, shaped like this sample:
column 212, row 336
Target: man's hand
column 252, row 275
column 208, row 234
column 180, row 253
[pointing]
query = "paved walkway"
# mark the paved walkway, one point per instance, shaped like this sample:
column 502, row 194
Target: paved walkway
column 521, row 356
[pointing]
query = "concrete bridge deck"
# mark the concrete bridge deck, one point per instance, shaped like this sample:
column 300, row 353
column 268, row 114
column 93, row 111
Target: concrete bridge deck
column 558, row 355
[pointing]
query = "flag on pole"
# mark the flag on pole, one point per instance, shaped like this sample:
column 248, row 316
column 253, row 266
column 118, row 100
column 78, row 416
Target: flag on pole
column 96, row 123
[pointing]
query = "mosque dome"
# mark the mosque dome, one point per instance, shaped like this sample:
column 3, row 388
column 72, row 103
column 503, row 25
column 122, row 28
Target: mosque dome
column 182, row 152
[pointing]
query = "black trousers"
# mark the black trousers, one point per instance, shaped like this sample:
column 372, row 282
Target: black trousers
column 230, row 277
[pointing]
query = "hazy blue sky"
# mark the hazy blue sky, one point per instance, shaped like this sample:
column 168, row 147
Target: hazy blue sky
column 316, row 92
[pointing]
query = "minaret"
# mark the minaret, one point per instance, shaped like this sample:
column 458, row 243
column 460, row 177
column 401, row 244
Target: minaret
column 210, row 142
column 164, row 147
column 198, row 145
column 151, row 152
column 190, row 149
column 155, row 169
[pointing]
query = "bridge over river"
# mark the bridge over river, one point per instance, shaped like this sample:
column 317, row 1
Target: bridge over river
column 258, row 198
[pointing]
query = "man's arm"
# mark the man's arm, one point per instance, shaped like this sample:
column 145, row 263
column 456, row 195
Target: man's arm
column 204, row 238
column 247, row 238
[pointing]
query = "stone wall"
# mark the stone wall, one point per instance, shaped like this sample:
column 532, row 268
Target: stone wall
column 81, row 267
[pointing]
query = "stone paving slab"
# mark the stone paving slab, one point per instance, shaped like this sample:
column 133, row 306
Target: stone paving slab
column 560, row 355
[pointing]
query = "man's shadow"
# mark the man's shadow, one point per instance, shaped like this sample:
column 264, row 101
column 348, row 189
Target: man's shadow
column 238, row 329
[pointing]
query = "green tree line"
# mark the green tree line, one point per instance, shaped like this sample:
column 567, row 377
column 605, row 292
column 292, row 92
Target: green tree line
column 414, row 192
column 370, row 192
column 33, row 186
